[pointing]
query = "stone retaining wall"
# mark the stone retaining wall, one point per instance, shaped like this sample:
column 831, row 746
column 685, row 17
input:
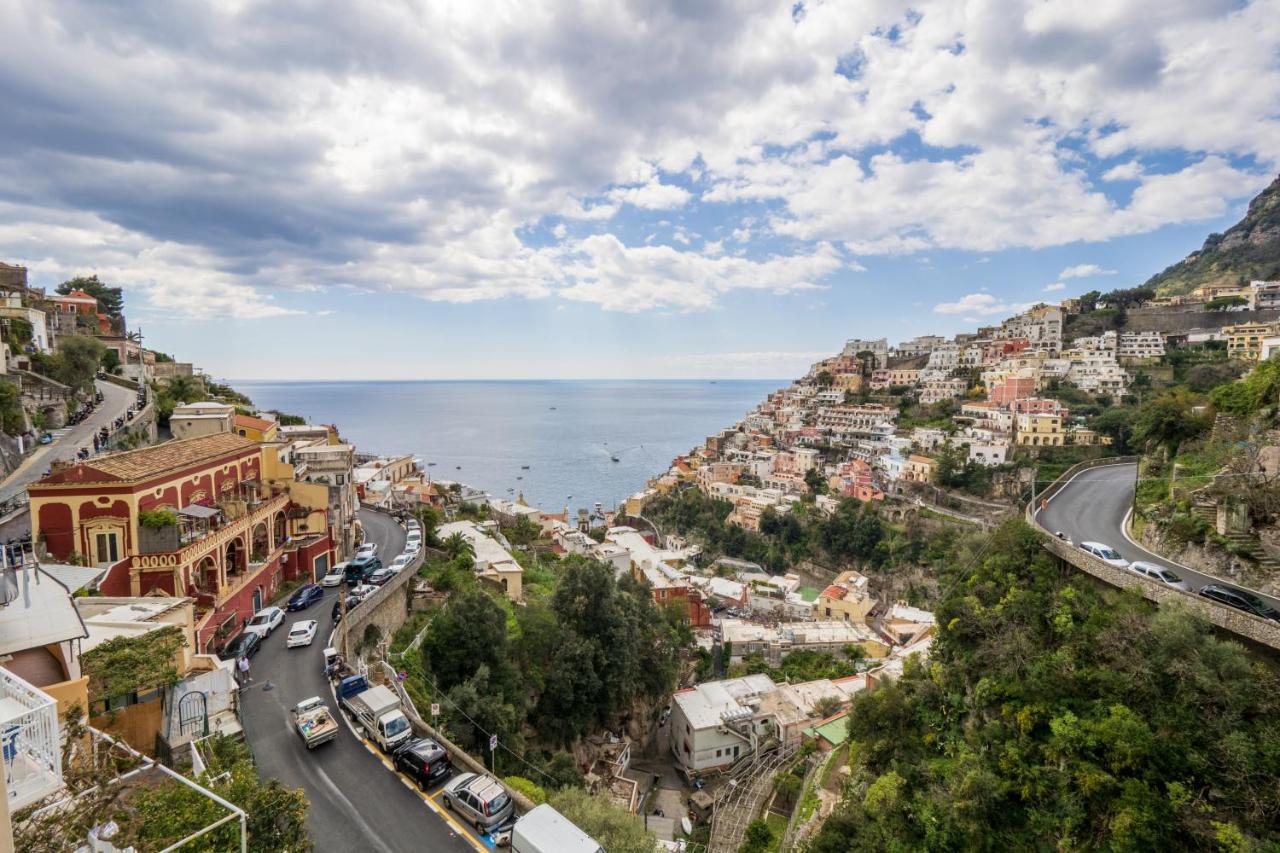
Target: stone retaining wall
column 1261, row 631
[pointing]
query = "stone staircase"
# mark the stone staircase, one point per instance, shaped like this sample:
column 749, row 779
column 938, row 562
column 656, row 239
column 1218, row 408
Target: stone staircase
column 1251, row 548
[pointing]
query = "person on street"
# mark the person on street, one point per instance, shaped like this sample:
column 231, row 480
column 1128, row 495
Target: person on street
column 243, row 666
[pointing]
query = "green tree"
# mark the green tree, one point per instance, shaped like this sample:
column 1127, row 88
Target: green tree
column 1168, row 421
column 111, row 361
column 758, row 838
column 613, row 828
column 825, row 379
column 470, row 631
column 12, row 417
column 852, row 532
column 110, row 299
column 455, row 545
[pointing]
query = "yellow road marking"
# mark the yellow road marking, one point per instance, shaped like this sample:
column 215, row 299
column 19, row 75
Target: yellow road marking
column 425, row 797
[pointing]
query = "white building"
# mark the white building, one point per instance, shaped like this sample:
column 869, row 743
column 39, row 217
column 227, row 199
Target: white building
column 878, row 348
column 937, row 390
column 945, row 356
column 494, row 562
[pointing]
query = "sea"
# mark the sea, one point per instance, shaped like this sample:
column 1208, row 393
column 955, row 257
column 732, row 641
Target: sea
column 554, row 442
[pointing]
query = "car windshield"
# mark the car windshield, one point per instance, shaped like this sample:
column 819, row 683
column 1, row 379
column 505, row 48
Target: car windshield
column 259, row 620
column 396, row 726
column 497, row 804
column 301, row 629
column 1108, row 554
column 1169, row 577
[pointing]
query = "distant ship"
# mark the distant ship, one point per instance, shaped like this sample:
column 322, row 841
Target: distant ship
column 524, row 467
column 615, row 459
column 553, row 408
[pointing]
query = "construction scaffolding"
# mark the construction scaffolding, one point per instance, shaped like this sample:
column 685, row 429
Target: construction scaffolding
column 739, row 801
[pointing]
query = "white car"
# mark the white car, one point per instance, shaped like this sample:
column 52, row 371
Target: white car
column 1159, row 574
column 336, row 576
column 413, row 524
column 1105, row 553
column 412, row 546
column 368, row 549
column 363, row 591
column 264, row 622
column 398, row 564
column 301, row 633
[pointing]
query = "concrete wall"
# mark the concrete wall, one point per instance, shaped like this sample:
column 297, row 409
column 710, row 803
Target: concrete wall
column 1174, row 320
column 1261, row 631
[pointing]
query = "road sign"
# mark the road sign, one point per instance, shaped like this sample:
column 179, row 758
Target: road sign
column 493, row 743
column 435, row 709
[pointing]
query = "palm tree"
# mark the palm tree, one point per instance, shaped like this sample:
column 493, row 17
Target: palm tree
column 456, row 545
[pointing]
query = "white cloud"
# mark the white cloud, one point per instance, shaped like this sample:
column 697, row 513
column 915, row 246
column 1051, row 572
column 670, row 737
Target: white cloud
column 979, row 304
column 405, row 146
column 1084, row 271
column 1056, row 286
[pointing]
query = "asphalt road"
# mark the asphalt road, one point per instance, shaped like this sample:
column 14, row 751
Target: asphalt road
column 1092, row 508
column 355, row 803
column 116, row 401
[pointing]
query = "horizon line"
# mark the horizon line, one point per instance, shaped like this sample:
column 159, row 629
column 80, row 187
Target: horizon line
column 526, row 379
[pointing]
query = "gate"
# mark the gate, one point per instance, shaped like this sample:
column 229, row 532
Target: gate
column 193, row 714
column 257, row 599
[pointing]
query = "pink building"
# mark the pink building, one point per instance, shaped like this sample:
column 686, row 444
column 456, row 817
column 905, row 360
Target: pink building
column 1015, row 388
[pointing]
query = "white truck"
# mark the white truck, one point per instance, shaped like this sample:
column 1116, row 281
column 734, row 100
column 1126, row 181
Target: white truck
column 377, row 711
column 545, row 830
column 313, row 722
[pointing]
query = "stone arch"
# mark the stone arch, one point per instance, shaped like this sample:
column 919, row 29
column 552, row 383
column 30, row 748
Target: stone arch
column 236, row 557
column 260, row 542
column 208, row 576
column 279, row 530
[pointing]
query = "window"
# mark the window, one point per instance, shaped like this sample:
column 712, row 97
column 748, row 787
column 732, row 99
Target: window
column 108, row 551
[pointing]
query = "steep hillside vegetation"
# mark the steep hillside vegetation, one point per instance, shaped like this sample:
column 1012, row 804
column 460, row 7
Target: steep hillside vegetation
column 1056, row 715
column 1250, row 249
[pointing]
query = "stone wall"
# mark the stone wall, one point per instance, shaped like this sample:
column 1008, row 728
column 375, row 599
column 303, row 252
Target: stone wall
column 1180, row 319
column 387, row 608
column 1248, row 626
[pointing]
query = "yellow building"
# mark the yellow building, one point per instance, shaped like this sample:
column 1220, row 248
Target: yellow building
column 846, row 598
column 918, row 469
column 255, row 429
column 1039, row 429
column 1244, row 340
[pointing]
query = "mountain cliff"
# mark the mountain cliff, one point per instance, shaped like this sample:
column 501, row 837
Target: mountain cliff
column 1248, row 250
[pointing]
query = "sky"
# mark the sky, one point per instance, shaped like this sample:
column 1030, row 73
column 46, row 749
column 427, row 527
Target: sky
column 302, row 189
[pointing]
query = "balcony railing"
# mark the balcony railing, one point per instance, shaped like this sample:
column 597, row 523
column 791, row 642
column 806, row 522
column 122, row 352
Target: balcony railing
column 29, row 739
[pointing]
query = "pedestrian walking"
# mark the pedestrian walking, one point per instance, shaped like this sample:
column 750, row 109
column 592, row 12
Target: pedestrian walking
column 243, row 666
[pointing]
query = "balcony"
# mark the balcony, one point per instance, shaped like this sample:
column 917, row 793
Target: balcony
column 30, row 741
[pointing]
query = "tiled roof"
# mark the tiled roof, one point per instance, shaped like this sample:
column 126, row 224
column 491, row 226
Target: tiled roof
column 250, row 422
column 148, row 462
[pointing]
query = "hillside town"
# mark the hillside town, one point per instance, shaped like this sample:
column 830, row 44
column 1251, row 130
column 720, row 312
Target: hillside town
column 176, row 524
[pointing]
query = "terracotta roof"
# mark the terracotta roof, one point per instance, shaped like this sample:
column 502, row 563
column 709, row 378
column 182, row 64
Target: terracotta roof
column 74, row 296
column 835, row 591
column 250, row 422
column 148, row 462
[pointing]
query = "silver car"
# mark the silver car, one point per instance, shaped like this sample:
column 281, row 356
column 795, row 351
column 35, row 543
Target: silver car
column 1105, row 553
column 1159, row 574
column 480, row 800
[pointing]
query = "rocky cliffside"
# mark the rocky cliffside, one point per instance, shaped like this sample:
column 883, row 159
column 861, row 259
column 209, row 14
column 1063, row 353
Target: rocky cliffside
column 1248, row 250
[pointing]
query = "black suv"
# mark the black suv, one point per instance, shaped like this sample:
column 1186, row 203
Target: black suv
column 1240, row 600
column 424, row 761
column 244, row 646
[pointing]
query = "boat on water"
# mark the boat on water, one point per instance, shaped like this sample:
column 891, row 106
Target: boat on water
column 524, row 467
column 615, row 459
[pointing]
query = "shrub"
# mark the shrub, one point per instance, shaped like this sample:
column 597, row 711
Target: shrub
column 157, row 519
column 530, row 789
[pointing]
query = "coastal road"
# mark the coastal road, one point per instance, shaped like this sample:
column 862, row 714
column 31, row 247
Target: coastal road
column 115, row 402
column 355, row 803
column 1092, row 508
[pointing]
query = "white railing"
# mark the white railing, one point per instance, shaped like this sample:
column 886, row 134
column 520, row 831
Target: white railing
column 30, row 740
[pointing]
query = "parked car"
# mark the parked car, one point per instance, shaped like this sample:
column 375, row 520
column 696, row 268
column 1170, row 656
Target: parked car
column 305, row 597
column 363, row 591
column 352, row 601
column 413, row 546
column 413, row 524
column 1160, row 574
column 480, row 800
column 382, row 575
column 264, row 622
column 424, row 761
column 400, row 562
column 1240, row 600
column 368, row 549
column 47, row 438
column 301, row 633
column 335, row 576
column 245, row 645
column 1105, row 553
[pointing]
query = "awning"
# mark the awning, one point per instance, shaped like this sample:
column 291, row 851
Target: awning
column 197, row 511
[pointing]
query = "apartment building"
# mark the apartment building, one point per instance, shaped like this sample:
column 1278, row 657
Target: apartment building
column 775, row 642
column 937, row 390
column 1040, row 430
column 1245, row 340
column 878, row 348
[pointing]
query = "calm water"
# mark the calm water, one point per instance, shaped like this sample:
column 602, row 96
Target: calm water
column 564, row 431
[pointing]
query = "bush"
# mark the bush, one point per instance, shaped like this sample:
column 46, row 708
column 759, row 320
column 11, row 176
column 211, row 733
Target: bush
column 524, row 786
column 157, row 519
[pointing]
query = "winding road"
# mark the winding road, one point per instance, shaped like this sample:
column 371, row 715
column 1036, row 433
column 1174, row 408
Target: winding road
column 356, row 803
column 1092, row 507
column 115, row 402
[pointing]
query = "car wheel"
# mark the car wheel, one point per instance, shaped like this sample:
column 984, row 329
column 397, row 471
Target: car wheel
column 448, row 803
column 480, row 827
